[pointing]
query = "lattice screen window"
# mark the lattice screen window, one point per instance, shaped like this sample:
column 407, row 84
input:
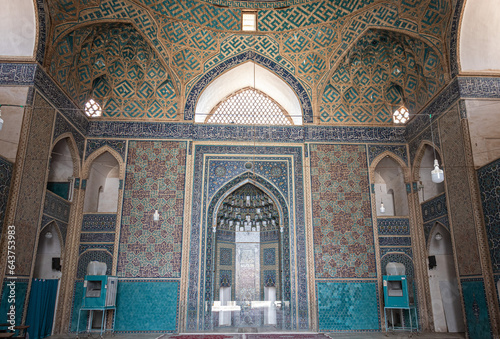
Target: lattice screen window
column 249, row 107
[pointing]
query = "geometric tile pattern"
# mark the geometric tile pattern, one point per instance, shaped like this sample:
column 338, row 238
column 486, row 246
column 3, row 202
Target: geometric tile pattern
column 225, row 278
column 382, row 71
column 342, row 225
column 93, row 255
column 56, row 207
column 21, row 288
column 116, row 67
column 99, row 222
column 226, row 256
column 97, row 237
column 348, row 306
column 152, row 306
column 394, row 241
column 269, row 278
column 6, row 169
column 434, row 208
column 399, row 150
column 476, row 309
column 489, row 186
column 269, row 256
column 63, row 126
column 393, row 226
column 154, row 181
column 461, row 212
column 32, row 186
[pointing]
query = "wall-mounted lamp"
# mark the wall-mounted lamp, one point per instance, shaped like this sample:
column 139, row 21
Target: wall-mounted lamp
column 48, row 235
column 382, row 207
column 438, row 236
column 437, row 175
column 156, row 216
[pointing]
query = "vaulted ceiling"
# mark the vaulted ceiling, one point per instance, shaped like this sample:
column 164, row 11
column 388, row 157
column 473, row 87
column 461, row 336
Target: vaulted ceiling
column 141, row 58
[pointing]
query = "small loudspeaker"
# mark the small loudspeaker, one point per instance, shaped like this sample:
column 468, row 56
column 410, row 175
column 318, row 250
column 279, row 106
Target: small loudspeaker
column 432, row 262
column 56, row 264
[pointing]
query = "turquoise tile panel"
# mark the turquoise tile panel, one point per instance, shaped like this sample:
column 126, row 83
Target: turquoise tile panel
column 77, row 303
column 146, row 306
column 476, row 309
column 347, row 306
column 19, row 294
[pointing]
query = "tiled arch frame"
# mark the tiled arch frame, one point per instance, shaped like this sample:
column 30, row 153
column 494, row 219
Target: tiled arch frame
column 94, row 255
column 90, row 159
column 138, row 25
column 420, row 154
column 284, row 74
column 396, row 158
column 219, row 196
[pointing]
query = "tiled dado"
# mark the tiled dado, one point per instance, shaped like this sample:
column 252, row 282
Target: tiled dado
column 348, row 306
column 141, row 306
column 21, row 287
column 476, row 309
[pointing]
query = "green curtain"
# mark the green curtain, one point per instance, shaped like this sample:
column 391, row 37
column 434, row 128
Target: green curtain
column 41, row 308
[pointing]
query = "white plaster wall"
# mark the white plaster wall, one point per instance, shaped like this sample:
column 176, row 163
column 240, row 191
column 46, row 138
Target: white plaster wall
column 108, row 202
column 427, row 188
column 61, row 164
column 18, row 28
column 241, row 77
column 389, row 176
column 484, row 128
column 479, row 46
column 104, row 172
column 12, row 119
column 47, row 249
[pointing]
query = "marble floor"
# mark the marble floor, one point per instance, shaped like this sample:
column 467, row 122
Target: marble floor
column 287, row 335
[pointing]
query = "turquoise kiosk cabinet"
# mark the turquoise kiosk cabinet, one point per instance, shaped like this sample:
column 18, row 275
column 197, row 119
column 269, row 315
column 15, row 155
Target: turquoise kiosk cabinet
column 398, row 291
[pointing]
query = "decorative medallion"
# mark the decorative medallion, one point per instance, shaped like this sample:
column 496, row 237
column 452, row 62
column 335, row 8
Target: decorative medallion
column 220, row 171
column 276, row 172
column 248, row 165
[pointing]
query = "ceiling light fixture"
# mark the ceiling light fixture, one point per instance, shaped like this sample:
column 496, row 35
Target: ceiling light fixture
column 437, row 174
column 401, row 115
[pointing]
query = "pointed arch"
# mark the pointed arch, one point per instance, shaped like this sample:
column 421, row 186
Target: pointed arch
column 397, row 159
column 90, row 159
column 268, row 188
column 437, row 225
column 420, row 154
column 59, row 234
column 215, row 72
column 73, row 148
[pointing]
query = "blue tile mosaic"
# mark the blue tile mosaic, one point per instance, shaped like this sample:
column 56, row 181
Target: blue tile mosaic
column 398, row 150
column 99, row 222
column 226, row 256
column 393, row 226
column 17, row 74
column 479, row 87
column 209, row 76
column 166, row 130
column 95, row 144
column 45, row 85
column 76, row 305
column 93, row 255
column 42, row 31
column 146, row 306
column 269, row 278
column 435, row 208
column 20, row 287
column 399, row 258
column 97, row 237
column 454, row 37
column 6, row 170
column 476, row 309
column 394, row 241
column 225, row 278
column 348, row 306
column 489, row 185
column 56, row 207
column 223, row 235
column 63, row 126
column 405, row 250
column 269, row 256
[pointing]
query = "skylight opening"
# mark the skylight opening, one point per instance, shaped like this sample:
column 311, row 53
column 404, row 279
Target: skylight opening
column 249, row 22
column 401, row 115
column 249, row 107
column 93, row 109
